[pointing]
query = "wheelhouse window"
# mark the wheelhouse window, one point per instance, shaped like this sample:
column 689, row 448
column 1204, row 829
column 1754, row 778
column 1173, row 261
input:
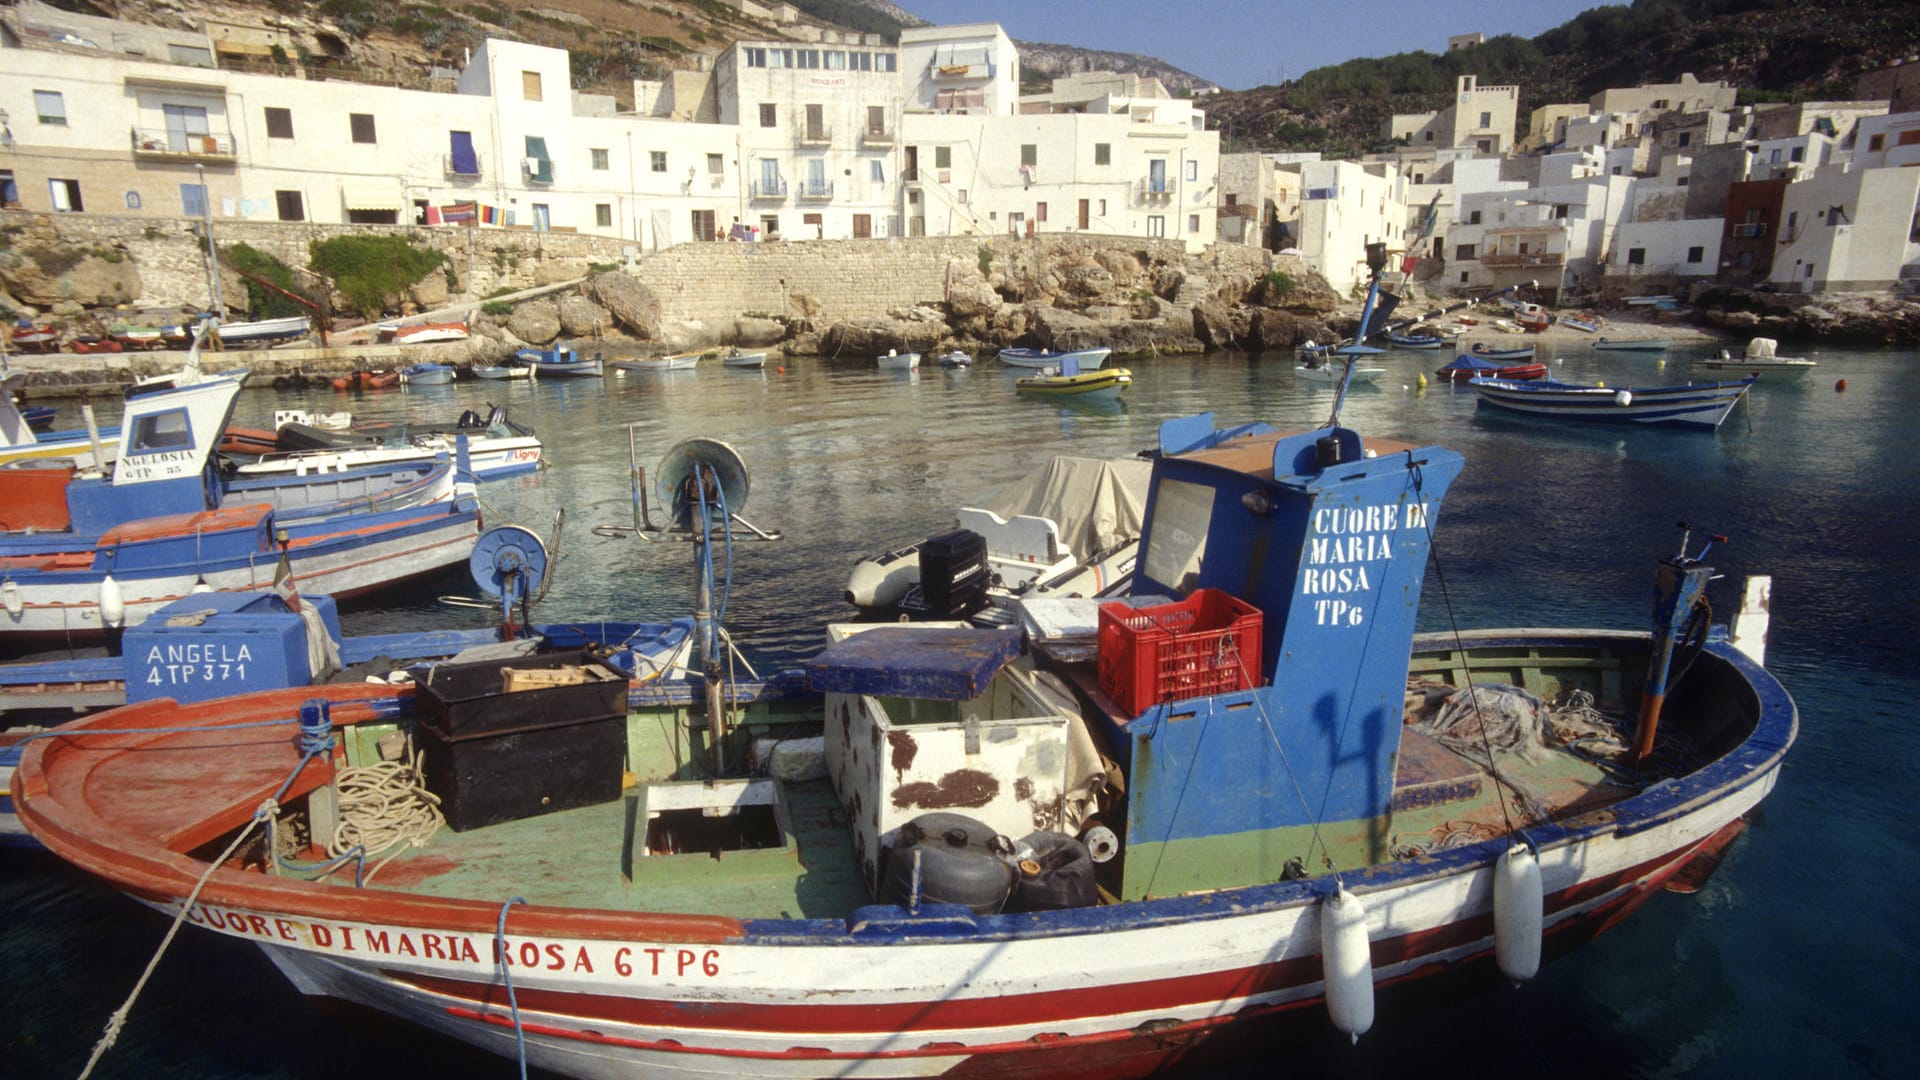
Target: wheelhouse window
column 170, row 430
column 1172, row 552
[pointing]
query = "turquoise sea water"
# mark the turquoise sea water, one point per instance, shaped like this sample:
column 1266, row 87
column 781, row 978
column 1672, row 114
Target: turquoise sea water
column 1796, row 960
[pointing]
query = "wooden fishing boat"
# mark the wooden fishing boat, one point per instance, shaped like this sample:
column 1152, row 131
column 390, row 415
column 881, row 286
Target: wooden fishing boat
column 428, row 333
column 243, row 335
column 1495, row 352
column 1576, row 322
column 954, row 358
column 94, row 343
column 503, row 371
column 1212, row 818
column 33, row 338
column 496, row 447
column 560, row 360
column 1761, row 362
column 138, row 337
column 1086, row 359
column 734, row 358
column 1631, row 344
column 1418, row 341
column 1334, row 371
column 367, row 380
column 1095, row 385
column 1466, row 368
column 24, row 440
column 686, row 361
column 895, row 360
column 1695, row 405
column 426, row 375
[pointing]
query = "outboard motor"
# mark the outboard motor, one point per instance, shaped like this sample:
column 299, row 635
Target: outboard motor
column 469, row 419
column 953, row 574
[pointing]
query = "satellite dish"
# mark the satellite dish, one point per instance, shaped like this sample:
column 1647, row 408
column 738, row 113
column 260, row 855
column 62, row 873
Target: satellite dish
column 509, row 563
column 716, row 462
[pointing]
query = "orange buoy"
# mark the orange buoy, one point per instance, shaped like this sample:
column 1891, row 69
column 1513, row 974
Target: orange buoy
column 1840, row 386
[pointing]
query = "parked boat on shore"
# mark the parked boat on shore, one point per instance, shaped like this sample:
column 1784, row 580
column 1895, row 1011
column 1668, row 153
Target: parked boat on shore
column 262, row 332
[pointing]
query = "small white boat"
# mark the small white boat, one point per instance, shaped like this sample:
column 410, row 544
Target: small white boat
column 503, row 371
column 1760, row 362
column 426, row 333
column 676, row 362
column 1334, row 371
column 734, row 358
column 426, row 375
column 899, row 361
column 1632, row 344
column 263, row 331
column 955, row 359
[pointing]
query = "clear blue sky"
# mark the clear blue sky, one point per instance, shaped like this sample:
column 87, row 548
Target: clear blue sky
column 1246, row 43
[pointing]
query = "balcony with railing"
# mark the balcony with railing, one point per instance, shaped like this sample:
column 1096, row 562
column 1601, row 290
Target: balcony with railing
column 769, row 190
column 1155, row 189
column 816, row 189
column 1520, row 260
column 877, row 136
column 1750, row 229
column 813, row 135
column 160, row 143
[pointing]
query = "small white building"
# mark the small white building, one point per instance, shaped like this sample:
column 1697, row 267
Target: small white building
column 1854, row 231
column 1344, row 207
column 1888, row 141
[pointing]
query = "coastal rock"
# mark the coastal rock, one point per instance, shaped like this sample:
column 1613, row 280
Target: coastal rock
column 1213, row 324
column 686, row 335
column 44, row 275
column 904, row 330
column 631, row 304
column 580, row 316
column 757, row 332
column 429, row 292
column 971, row 298
column 536, row 322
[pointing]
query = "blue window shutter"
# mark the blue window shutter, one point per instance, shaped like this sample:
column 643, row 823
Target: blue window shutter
column 465, row 161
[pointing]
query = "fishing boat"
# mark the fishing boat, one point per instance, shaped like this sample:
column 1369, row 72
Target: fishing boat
column 428, row 333
column 734, row 358
column 497, row 447
column 1532, row 317
column 93, row 343
column 1761, row 362
column 1418, row 341
column 39, row 418
column 1631, row 344
column 1495, row 352
column 1576, row 322
column 895, row 360
column 1466, row 368
column 561, row 359
column 1100, row 384
column 954, row 358
column 22, row 441
column 1069, row 529
column 1260, row 794
column 426, row 375
column 138, row 337
column 243, row 335
column 1087, row 359
column 503, row 371
column 26, row 335
column 1695, row 405
column 686, row 361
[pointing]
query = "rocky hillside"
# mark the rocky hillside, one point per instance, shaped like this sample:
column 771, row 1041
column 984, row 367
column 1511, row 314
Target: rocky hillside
column 1776, row 50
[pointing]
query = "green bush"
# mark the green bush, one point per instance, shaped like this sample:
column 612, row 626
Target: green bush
column 499, row 309
column 371, row 270
column 1278, row 282
column 263, row 302
column 986, row 259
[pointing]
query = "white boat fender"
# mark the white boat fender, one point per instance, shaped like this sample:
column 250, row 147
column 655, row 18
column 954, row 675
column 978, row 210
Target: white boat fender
column 1346, row 957
column 10, row 597
column 113, row 603
column 1518, row 913
column 1623, row 398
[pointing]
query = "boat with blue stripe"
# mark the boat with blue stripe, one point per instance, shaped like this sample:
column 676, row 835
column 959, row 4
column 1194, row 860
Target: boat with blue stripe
column 1693, row 405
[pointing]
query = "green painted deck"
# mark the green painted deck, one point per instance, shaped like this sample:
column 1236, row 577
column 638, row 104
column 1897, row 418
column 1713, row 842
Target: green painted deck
column 580, row 858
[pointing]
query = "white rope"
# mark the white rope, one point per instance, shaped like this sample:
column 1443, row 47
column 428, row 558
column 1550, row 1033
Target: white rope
column 119, row 1018
column 384, row 806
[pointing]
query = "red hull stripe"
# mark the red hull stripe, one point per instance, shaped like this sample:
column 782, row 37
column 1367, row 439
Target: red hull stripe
column 1011, row 1009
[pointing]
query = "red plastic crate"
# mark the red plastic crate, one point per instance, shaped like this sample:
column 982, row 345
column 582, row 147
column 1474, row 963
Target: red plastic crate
column 1208, row 643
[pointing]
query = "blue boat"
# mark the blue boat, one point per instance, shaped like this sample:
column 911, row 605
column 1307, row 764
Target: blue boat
column 1417, row 341
column 560, row 360
column 1087, row 359
column 426, row 375
column 1695, row 405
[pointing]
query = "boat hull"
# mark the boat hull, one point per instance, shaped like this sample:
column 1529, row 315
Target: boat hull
column 1097, row 385
column 1041, row 358
column 1332, row 373
column 1113, row 990
column 1703, row 405
column 1775, row 370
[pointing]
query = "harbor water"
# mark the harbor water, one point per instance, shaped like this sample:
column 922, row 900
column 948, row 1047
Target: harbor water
column 1797, row 959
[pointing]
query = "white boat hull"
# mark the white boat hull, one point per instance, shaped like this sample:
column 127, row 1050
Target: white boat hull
column 492, row 457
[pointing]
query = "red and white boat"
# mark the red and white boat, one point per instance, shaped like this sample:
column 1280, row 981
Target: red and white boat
column 1209, row 846
column 34, row 338
column 425, row 333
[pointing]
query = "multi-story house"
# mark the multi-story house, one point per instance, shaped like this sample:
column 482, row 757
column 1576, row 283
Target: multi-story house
column 1480, row 118
column 1849, row 229
column 1344, row 206
column 1883, row 141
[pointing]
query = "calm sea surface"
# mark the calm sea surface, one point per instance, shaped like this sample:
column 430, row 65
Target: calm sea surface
column 1798, row 959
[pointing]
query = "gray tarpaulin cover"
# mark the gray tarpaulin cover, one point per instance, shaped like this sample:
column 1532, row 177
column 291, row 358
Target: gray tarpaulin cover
column 1096, row 502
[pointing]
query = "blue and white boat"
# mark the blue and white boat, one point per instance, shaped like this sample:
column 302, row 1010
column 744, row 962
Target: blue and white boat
column 1418, row 341
column 426, row 375
column 1695, row 405
column 1087, row 359
column 561, row 360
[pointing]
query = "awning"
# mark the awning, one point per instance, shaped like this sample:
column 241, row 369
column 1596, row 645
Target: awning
column 369, row 195
column 465, row 161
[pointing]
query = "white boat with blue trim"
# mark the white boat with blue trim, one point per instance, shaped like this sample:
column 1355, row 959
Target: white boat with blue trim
column 1694, row 405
